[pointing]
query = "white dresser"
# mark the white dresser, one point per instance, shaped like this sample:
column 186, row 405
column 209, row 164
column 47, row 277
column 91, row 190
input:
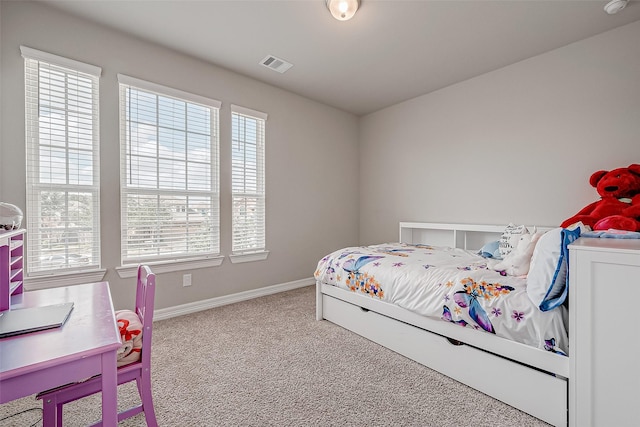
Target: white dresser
column 604, row 332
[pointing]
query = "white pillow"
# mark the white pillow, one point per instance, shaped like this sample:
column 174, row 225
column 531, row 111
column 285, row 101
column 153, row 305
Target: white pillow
column 510, row 238
column 547, row 279
column 517, row 263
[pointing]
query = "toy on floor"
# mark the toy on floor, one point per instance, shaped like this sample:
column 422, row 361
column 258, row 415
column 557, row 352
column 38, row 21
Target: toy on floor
column 619, row 206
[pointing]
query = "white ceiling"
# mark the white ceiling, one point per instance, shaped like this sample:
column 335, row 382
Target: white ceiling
column 391, row 51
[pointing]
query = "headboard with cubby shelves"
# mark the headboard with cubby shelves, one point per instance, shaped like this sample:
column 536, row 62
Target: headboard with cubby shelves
column 464, row 236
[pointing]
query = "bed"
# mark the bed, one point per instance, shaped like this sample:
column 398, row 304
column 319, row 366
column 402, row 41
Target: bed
column 463, row 319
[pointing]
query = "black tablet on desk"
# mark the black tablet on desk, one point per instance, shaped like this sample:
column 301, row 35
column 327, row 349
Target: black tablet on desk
column 32, row 319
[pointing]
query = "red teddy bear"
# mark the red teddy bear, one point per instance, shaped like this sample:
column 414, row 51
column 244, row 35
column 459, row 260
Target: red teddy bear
column 619, row 206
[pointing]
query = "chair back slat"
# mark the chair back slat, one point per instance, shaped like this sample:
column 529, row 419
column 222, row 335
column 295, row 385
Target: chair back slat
column 145, row 298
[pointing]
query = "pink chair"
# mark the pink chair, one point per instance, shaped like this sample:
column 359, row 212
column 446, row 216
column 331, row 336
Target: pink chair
column 54, row 399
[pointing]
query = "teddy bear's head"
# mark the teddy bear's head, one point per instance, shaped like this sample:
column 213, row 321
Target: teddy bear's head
column 618, row 183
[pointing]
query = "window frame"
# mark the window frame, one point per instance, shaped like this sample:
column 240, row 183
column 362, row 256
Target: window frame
column 186, row 260
column 239, row 255
column 35, row 60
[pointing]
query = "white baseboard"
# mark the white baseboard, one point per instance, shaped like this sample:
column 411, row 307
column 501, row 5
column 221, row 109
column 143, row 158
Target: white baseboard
column 192, row 307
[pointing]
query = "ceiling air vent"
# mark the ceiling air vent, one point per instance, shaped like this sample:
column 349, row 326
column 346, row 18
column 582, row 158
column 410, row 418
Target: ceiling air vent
column 276, row 64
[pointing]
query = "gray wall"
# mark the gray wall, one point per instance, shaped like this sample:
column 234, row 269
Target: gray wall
column 517, row 144
column 305, row 218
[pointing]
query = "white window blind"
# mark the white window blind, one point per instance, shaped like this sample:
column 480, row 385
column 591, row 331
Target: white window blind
column 63, row 175
column 248, row 180
column 169, row 173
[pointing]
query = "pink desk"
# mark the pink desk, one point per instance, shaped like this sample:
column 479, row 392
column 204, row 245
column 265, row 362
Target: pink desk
column 84, row 346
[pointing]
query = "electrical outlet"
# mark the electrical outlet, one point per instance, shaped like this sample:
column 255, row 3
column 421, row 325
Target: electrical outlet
column 186, row 280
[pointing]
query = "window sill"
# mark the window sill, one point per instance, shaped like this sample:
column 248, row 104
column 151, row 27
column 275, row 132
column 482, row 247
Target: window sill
column 127, row 271
column 33, row 283
column 248, row 257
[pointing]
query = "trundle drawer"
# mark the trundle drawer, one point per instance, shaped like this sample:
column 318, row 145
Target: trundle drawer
column 544, row 396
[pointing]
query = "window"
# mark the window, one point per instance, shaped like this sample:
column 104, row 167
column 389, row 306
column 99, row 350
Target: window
column 169, row 174
column 248, row 184
column 63, row 175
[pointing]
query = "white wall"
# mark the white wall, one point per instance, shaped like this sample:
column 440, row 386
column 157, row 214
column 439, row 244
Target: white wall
column 306, row 218
column 517, row 144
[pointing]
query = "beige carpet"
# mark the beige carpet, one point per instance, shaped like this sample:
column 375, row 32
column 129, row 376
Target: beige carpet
column 267, row 362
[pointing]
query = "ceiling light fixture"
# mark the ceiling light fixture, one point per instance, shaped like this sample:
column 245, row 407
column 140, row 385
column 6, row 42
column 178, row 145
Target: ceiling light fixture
column 343, row 10
column 615, row 6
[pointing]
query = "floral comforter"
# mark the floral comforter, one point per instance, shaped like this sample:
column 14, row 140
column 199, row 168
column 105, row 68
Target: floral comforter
column 451, row 284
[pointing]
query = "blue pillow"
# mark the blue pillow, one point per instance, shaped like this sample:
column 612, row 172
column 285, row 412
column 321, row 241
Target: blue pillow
column 547, row 284
column 612, row 234
column 491, row 250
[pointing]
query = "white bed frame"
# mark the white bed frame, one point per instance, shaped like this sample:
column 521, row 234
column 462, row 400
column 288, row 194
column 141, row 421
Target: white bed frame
column 533, row 380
